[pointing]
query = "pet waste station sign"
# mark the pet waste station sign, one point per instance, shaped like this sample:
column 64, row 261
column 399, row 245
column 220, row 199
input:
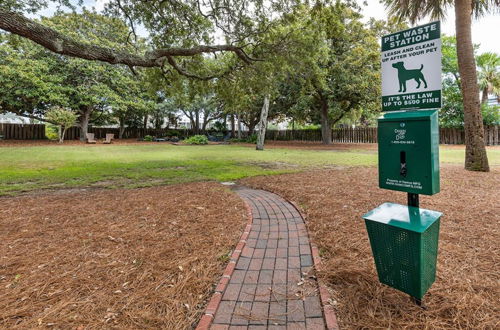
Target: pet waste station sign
column 411, row 69
column 404, row 238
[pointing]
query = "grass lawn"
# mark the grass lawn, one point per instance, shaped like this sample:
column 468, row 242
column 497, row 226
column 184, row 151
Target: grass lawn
column 26, row 168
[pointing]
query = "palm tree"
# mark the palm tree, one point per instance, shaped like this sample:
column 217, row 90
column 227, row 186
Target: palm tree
column 476, row 158
column 489, row 74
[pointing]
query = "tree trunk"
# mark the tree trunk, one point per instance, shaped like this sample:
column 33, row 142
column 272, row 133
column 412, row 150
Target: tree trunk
column 476, row 158
column 197, row 123
column 263, row 124
column 122, row 128
column 233, row 126
column 60, row 134
column 145, row 123
column 206, row 120
column 326, row 129
column 239, row 126
column 84, row 122
column 484, row 99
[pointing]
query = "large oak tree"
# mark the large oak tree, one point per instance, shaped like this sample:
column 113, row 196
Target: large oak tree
column 179, row 31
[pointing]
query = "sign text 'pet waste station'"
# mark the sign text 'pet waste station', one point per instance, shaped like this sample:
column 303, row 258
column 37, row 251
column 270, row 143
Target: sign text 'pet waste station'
column 411, row 69
column 404, row 238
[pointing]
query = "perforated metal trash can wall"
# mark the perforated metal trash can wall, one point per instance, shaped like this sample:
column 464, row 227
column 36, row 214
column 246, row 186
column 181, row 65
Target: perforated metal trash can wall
column 405, row 258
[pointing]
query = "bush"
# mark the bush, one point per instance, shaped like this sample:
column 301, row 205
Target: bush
column 491, row 114
column 197, row 139
column 173, row 133
column 51, row 132
column 220, row 127
column 251, row 139
column 148, row 138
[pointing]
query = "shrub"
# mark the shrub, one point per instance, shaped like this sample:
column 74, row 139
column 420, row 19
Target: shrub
column 148, row 138
column 251, row 139
column 51, row 132
column 173, row 133
column 219, row 127
column 197, row 139
column 491, row 114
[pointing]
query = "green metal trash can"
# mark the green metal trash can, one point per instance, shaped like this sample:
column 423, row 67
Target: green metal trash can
column 404, row 242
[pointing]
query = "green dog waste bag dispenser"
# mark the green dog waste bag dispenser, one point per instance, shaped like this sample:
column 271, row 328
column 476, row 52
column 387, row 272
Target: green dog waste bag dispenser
column 404, row 239
column 408, row 151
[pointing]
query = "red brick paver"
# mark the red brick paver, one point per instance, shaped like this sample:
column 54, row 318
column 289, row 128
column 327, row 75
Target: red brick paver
column 273, row 285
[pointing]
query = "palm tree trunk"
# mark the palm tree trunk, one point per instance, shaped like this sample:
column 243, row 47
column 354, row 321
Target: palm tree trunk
column 484, row 99
column 476, row 158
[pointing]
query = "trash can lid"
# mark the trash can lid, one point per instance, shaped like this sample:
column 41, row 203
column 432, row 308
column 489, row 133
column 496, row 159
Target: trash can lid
column 402, row 216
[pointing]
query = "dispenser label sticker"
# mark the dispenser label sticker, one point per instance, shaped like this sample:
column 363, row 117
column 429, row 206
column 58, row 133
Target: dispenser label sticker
column 400, row 136
column 404, row 183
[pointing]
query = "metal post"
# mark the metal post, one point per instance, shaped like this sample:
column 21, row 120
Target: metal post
column 413, row 200
column 418, row 302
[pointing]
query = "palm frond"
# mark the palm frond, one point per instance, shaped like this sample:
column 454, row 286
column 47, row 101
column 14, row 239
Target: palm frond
column 435, row 9
column 483, row 7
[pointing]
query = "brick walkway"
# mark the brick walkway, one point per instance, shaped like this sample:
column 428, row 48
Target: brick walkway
column 273, row 284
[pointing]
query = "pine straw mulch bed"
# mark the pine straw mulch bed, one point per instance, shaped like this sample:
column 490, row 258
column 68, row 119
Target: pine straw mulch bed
column 142, row 258
column 466, row 293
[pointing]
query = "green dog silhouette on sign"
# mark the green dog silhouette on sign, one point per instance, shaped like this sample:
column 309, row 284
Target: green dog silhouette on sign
column 404, row 75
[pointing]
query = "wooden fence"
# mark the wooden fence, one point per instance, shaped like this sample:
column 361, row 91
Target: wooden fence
column 369, row 135
column 130, row 133
column 343, row 135
column 339, row 135
column 22, row 132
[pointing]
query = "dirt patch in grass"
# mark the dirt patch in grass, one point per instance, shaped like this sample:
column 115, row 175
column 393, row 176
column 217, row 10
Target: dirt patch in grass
column 466, row 294
column 141, row 258
column 274, row 165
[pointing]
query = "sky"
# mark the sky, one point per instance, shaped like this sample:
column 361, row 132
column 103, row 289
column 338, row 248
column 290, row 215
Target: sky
column 484, row 30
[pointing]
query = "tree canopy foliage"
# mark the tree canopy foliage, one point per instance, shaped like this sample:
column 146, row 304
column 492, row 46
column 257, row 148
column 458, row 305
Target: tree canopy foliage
column 317, row 62
column 34, row 79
